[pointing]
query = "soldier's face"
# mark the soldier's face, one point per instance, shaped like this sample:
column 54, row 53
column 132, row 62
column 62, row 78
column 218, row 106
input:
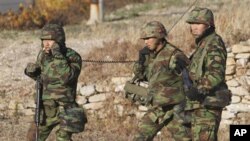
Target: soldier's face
column 47, row 44
column 198, row 29
column 152, row 43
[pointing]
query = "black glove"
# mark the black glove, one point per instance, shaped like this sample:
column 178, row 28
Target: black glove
column 181, row 62
column 32, row 70
column 193, row 94
column 56, row 51
column 142, row 55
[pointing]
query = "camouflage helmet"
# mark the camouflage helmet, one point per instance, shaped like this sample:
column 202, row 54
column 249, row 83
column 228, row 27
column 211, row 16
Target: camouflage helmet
column 201, row 15
column 153, row 29
column 53, row 32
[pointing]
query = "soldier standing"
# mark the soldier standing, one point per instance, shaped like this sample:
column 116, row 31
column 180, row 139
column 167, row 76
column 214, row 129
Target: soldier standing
column 59, row 68
column 160, row 63
column 209, row 93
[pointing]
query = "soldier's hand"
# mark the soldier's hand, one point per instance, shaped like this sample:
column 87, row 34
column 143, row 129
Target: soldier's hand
column 181, row 62
column 193, row 94
column 33, row 69
column 146, row 100
column 56, row 50
column 138, row 70
column 142, row 55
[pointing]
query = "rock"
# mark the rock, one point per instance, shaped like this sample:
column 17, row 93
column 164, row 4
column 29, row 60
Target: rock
column 243, row 56
column 230, row 61
column 97, row 98
column 229, row 77
column 230, row 55
column 246, row 100
column 119, row 109
column 20, row 106
column 103, row 86
column 12, row 105
column 243, row 118
column 232, row 83
column 120, row 80
column 118, row 100
column 3, row 106
column 242, row 62
column 229, row 50
column 93, row 106
column 226, row 122
column 238, row 91
column 30, row 104
column 241, row 71
column 248, row 41
column 248, row 72
column 244, row 81
column 87, row 90
column 236, row 99
column 27, row 112
column 236, row 108
column 79, row 86
column 139, row 115
column 119, row 88
column 245, row 115
column 81, row 100
column 240, row 49
column 227, row 115
column 230, row 70
column 143, row 108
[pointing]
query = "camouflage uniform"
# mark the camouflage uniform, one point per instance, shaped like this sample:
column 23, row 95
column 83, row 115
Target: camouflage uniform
column 59, row 71
column 209, row 93
column 162, row 70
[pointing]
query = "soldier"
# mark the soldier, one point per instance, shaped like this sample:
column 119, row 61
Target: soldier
column 209, row 93
column 160, row 63
column 59, row 68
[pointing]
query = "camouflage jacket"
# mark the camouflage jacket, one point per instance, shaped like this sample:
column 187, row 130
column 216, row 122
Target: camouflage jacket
column 165, row 84
column 60, row 75
column 208, row 64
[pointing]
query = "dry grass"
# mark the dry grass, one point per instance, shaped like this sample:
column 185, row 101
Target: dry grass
column 118, row 40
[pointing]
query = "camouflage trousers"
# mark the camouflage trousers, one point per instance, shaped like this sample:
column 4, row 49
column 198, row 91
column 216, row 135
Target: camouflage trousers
column 155, row 119
column 55, row 116
column 202, row 123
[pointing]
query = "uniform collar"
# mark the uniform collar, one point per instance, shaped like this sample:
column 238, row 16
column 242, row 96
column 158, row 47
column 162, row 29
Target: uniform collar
column 208, row 32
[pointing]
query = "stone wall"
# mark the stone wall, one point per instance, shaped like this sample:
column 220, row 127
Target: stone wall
column 238, row 80
column 107, row 97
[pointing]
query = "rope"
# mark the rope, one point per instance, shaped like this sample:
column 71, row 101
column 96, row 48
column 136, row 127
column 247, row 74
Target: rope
column 132, row 61
column 110, row 62
column 176, row 22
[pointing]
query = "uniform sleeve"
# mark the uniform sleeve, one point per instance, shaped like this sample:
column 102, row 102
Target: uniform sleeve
column 62, row 71
column 215, row 65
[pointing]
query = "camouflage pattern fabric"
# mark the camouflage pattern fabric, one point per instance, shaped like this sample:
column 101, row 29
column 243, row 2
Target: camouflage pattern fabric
column 67, row 119
column 153, row 29
column 205, row 124
column 201, row 15
column 165, row 86
column 207, row 71
column 59, row 71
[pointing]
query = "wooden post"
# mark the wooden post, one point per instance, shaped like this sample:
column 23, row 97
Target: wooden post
column 94, row 12
column 101, row 10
